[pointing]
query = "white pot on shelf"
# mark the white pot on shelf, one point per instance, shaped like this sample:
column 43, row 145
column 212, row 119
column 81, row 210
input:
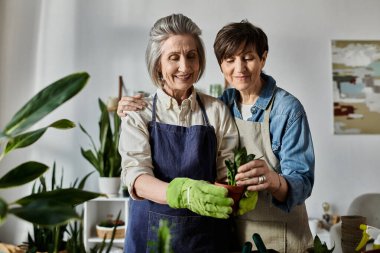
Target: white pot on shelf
column 109, row 186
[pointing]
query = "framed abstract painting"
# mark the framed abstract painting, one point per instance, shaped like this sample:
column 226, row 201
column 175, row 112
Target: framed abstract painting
column 356, row 86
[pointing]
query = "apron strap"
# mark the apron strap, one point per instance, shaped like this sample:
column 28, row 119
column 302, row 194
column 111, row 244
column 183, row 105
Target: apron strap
column 154, row 108
column 205, row 118
column 266, row 118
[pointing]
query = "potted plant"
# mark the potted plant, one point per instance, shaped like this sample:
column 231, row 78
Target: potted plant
column 105, row 157
column 42, row 208
column 105, row 228
column 235, row 191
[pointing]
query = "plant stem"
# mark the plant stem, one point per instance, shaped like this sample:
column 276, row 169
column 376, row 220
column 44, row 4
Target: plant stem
column 56, row 238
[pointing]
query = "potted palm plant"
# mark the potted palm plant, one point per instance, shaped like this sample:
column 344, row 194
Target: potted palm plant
column 105, row 157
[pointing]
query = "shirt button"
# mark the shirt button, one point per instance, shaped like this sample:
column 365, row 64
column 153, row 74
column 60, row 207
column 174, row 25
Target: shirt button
column 253, row 110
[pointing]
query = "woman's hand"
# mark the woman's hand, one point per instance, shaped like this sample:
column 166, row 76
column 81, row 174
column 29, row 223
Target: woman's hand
column 257, row 176
column 127, row 104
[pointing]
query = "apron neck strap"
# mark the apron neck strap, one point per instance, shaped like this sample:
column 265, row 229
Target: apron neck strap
column 267, row 111
column 205, row 118
column 154, row 108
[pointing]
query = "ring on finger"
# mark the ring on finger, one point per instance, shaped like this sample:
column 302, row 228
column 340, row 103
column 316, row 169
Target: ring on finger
column 262, row 179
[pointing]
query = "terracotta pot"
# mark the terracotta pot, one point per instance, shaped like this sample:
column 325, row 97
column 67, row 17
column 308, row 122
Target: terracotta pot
column 235, row 192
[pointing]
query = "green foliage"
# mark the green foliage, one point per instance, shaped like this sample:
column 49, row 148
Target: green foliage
column 75, row 242
column 321, row 248
column 50, row 238
column 44, row 102
column 164, row 237
column 105, row 158
column 23, row 174
column 109, row 223
column 42, row 208
column 99, row 248
column 240, row 158
column 162, row 245
column 49, row 210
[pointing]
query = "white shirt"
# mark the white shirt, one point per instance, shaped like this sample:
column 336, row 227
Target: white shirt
column 245, row 111
column 134, row 144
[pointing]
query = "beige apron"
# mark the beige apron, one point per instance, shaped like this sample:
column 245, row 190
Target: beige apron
column 281, row 231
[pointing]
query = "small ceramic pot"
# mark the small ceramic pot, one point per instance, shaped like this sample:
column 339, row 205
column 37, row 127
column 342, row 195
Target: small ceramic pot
column 235, row 192
column 109, row 186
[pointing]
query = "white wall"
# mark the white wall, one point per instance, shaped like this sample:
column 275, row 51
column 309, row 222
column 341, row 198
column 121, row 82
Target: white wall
column 41, row 41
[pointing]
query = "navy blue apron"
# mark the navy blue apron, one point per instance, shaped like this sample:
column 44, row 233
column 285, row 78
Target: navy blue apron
column 178, row 152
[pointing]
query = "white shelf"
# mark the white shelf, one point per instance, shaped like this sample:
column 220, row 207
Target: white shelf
column 99, row 240
column 97, row 210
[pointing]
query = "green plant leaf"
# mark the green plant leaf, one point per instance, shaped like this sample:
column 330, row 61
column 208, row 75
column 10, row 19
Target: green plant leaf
column 88, row 135
column 250, row 157
column 46, row 212
column 43, row 186
column 105, row 158
column 321, row 248
column 104, row 126
column 28, row 138
column 69, row 196
column 116, row 134
column 3, row 210
column 23, row 174
column 63, row 124
column 93, row 160
column 83, row 181
column 45, row 102
column 240, row 158
column 113, row 234
column 53, row 177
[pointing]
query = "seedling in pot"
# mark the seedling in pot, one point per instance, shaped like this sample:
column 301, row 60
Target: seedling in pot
column 240, row 158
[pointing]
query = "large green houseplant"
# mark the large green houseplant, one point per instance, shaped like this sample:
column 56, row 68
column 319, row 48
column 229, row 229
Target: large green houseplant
column 51, row 238
column 42, row 208
column 105, row 157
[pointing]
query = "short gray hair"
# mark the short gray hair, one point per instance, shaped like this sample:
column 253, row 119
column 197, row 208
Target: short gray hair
column 175, row 24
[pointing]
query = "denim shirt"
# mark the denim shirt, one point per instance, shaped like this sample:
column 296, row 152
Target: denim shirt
column 290, row 137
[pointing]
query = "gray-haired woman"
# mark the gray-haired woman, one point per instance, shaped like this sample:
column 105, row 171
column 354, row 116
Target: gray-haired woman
column 173, row 148
column 273, row 125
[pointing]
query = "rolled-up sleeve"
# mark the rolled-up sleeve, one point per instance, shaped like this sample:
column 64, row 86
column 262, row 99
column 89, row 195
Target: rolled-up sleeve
column 297, row 162
column 135, row 150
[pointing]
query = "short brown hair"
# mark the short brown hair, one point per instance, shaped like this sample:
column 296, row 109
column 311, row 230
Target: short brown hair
column 231, row 36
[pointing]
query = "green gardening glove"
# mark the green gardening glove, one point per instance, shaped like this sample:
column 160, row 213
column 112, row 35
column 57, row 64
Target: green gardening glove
column 200, row 197
column 247, row 202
